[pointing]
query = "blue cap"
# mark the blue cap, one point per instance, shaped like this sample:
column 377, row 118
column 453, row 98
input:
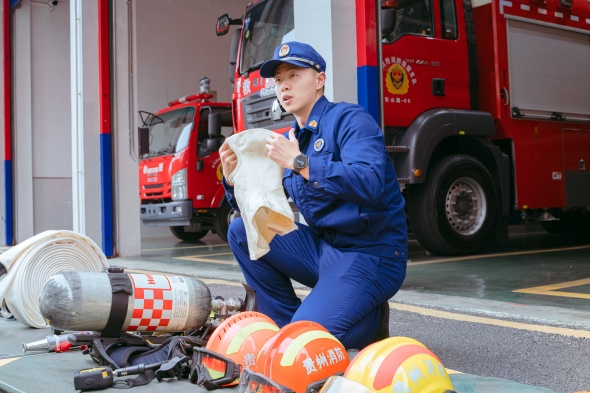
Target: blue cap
column 296, row 53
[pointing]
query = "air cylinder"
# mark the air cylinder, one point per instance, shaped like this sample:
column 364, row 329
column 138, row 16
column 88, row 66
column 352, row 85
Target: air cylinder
column 90, row 301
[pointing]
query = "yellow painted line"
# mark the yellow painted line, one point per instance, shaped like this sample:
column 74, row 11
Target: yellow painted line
column 207, row 260
column 551, row 290
column 507, row 254
column 221, row 282
column 186, row 248
column 490, row 321
column 567, row 284
column 206, row 255
column 4, row 362
column 554, row 293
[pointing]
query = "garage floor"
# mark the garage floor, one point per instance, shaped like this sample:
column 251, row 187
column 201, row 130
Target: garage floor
column 536, row 284
column 533, row 268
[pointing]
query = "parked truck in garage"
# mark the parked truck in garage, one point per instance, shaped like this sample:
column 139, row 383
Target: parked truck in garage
column 486, row 109
column 180, row 169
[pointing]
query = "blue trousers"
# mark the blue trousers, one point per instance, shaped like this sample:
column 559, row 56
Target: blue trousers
column 348, row 286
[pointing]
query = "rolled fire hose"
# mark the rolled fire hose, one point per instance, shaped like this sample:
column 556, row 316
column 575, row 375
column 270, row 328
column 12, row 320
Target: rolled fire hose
column 5, row 312
column 30, row 264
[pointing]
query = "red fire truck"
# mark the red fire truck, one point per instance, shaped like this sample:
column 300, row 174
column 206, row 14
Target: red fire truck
column 180, row 169
column 486, row 110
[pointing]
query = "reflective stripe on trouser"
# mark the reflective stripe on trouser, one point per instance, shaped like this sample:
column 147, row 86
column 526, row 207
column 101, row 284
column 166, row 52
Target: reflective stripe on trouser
column 348, row 287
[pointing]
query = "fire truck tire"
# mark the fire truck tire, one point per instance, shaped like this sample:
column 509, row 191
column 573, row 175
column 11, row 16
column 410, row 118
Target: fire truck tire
column 456, row 211
column 224, row 217
column 181, row 234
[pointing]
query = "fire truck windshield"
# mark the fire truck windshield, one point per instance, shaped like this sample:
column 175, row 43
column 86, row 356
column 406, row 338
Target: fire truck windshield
column 266, row 26
column 170, row 131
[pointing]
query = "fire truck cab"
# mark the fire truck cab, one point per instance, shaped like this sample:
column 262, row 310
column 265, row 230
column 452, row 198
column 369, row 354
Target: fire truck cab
column 180, row 169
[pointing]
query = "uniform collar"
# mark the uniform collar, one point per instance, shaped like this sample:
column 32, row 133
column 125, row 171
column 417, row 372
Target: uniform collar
column 313, row 122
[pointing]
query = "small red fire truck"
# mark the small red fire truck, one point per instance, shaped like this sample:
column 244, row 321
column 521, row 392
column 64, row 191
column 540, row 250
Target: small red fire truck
column 180, row 169
column 486, row 109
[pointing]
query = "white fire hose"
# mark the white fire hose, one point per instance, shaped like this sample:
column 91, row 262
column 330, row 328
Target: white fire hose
column 31, row 263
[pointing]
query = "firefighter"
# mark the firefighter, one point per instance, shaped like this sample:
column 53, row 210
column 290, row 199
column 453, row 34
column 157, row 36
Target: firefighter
column 353, row 250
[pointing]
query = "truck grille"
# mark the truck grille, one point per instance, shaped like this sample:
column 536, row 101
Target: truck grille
column 152, row 191
column 257, row 113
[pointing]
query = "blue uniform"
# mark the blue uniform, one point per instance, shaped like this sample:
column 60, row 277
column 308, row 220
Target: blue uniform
column 353, row 252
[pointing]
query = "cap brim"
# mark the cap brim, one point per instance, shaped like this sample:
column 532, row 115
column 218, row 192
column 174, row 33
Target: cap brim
column 267, row 70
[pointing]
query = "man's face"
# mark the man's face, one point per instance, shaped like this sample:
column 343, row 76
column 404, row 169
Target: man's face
column 297, row 88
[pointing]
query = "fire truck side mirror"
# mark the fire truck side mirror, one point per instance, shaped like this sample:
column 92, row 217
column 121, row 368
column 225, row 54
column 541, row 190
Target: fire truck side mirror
column 144, row 140
column 223, row 23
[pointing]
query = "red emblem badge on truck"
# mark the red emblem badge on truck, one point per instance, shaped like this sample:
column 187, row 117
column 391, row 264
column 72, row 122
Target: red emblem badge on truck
column 396, row 79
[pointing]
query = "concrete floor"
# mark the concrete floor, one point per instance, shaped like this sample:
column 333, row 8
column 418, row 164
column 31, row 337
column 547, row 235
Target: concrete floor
column 533, row 270
column 536, row 284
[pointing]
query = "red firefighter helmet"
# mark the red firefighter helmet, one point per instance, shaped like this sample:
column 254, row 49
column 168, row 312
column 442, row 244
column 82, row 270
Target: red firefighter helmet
column 234, row 344
column 399, row 364
column 300, row 357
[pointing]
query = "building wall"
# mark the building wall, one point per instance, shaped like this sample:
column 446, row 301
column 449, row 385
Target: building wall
column 161, row 49
column 42, row 130
column 176, row 46
column 329, row 26
column 167, row 45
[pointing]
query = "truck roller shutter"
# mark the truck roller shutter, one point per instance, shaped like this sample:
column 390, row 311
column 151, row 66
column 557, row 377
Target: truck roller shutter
column 549, row 70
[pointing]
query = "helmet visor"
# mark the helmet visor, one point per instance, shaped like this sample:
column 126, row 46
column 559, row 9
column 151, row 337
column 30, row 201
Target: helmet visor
column 339, row 384
column 253, row 382
column 210, row 367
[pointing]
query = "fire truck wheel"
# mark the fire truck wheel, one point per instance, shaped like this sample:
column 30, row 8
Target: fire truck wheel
column 456, row 211
column 224, row 217
column 181, row 234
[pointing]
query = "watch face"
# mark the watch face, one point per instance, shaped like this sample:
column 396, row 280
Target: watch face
column 300, row 161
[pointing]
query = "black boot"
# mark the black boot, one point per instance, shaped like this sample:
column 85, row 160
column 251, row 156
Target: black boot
column 383, row 329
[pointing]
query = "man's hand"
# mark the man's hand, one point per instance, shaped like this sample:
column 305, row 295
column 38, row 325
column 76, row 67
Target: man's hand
column 229, row 161
column 282, row 150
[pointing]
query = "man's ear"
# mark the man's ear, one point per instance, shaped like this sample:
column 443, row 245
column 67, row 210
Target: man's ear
column 321, row 80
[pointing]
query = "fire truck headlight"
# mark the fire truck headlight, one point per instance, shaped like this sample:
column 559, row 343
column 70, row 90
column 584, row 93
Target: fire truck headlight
column 179, row 185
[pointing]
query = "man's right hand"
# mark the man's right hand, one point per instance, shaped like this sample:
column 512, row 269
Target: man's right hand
column 229, row 161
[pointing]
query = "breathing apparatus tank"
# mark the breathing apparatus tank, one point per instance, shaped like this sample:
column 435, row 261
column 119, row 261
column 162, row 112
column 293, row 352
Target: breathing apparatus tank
column 116, row 302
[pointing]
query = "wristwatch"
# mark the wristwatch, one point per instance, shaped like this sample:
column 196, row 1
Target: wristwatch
column 299, row 163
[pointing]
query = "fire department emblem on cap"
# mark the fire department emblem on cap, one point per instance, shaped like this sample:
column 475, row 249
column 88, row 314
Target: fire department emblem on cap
column 284, row 51
column 318, row 145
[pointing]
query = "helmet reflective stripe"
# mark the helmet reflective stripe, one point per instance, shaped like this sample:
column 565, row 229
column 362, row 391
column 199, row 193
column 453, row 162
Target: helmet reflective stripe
column 246, row 332
column 385, row 375
column 300, row 342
